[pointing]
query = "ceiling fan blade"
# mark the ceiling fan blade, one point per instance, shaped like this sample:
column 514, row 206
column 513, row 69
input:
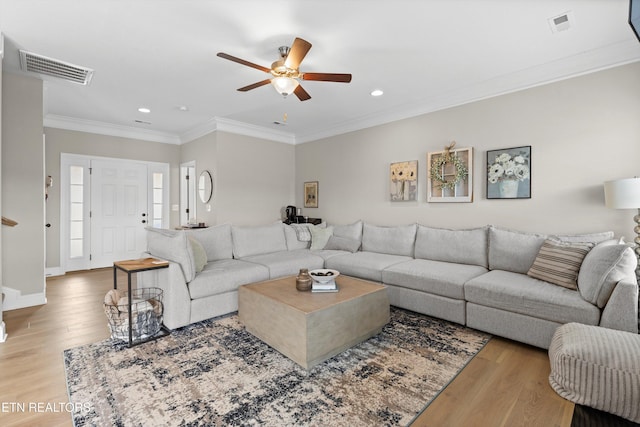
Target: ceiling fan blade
column 301, row 93
column 243, row 62
column 255, row 85
column 297, row 53
column 327, row 77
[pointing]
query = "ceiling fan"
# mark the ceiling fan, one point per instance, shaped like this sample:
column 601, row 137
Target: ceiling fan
column 285, row 71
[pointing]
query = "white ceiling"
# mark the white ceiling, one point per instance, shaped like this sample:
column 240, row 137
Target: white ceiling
column 425, row 54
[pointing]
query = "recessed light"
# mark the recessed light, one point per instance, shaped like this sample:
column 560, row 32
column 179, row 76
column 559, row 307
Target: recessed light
column 144, row 110
column 183, row 108
column 377, row 92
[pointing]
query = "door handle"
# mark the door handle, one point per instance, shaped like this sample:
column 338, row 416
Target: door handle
column 144, row 214
column 144, row 221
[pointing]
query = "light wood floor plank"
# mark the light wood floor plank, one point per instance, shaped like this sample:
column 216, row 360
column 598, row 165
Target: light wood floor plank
column 504, row 385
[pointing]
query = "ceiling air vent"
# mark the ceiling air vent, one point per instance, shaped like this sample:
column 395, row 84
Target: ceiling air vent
column 52, row 67
column 561, row 22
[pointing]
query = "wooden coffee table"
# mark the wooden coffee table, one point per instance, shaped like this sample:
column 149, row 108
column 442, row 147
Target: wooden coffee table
column 312, row 327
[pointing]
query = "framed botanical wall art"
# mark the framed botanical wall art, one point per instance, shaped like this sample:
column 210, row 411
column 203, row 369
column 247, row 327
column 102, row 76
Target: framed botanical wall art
column 403, row 186
column 311, row 194
column 509, row 173
column 450, row 175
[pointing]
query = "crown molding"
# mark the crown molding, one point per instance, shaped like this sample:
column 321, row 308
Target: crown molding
column 233, row 126
column 102, row 128
column 199, row 131
column 618, row 54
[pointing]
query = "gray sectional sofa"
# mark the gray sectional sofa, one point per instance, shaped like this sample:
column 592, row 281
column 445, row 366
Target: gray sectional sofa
column 477, row 277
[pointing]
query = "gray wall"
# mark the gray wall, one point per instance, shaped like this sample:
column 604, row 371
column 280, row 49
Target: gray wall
column 23, row 184
column 204, row 152
column 583, row 131
column 255, row 179
column 60, row 141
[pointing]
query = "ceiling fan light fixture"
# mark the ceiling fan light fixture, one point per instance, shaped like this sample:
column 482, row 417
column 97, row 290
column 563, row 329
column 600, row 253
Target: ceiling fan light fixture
column 284, row 85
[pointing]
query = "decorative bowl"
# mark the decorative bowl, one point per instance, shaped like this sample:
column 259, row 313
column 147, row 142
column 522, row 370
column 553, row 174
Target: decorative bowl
column 324, row 275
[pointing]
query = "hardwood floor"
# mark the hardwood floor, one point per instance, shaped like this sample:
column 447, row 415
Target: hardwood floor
column 504, row 385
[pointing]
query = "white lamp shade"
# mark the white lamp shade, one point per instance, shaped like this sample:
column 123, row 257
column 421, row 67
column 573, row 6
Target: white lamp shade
column 284, row 85
column 622, row 193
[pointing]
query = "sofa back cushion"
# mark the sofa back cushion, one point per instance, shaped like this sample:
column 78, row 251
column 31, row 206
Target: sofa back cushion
column 398, row 240
column 173, row 246
column 215, row 240
column 349, row 231
column 513, row 250
column 603, row 267
column 458, row 246
column 585, row 238
column 249, row 241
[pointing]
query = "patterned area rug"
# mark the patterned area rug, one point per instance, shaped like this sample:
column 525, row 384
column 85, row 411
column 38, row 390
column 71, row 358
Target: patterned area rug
column 216, row 373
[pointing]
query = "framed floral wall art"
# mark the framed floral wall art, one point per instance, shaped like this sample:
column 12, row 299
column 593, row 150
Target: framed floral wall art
column 450, row 175
column 404, row 181
column 509, row 173
column 311, row 194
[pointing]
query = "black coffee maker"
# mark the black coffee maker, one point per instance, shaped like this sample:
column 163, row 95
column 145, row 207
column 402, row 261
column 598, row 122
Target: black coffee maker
column 292, row 216
column 291, row 213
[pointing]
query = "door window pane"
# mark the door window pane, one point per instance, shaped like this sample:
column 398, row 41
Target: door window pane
column 76, row 214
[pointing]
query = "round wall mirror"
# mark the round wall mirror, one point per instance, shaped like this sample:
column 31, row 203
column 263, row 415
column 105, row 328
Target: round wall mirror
column 205, row 186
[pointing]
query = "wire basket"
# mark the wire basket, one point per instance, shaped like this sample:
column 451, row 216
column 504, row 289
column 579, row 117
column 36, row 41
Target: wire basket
column 146, row 313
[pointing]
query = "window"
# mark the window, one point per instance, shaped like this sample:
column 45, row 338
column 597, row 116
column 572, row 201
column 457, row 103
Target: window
column 157, row 203
column 76, row 216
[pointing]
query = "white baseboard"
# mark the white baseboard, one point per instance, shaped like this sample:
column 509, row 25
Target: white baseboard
column 13, row 299
column 3, row 333
column 53, row 271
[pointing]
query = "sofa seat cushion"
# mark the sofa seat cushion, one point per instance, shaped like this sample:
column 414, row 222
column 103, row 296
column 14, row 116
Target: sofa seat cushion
column 225, row 275
column 436, row 277
column 519, row 293
column 287, row 263
column 366, row 265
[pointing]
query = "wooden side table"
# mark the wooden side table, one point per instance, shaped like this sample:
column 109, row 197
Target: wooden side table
column 136, row 266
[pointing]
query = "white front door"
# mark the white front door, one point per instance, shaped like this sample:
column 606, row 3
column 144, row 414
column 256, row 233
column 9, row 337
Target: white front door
column 118, row 211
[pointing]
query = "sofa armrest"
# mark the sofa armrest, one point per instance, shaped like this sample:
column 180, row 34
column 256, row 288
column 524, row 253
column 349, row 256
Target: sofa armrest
column 175, row 293
column 621, row 311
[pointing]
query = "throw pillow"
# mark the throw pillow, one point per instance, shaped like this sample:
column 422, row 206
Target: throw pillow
column 199, row 254
column 343, row 244
column 559, row 262
column 319, row 237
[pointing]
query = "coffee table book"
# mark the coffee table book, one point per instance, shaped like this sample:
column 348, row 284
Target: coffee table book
column 324, row 286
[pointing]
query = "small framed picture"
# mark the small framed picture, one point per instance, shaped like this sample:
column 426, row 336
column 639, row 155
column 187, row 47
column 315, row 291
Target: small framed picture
column 509, row 173
column 311, row 194
column 403, row 185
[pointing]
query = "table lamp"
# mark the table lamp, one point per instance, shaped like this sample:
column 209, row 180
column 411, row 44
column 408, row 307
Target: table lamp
column 625, row 194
